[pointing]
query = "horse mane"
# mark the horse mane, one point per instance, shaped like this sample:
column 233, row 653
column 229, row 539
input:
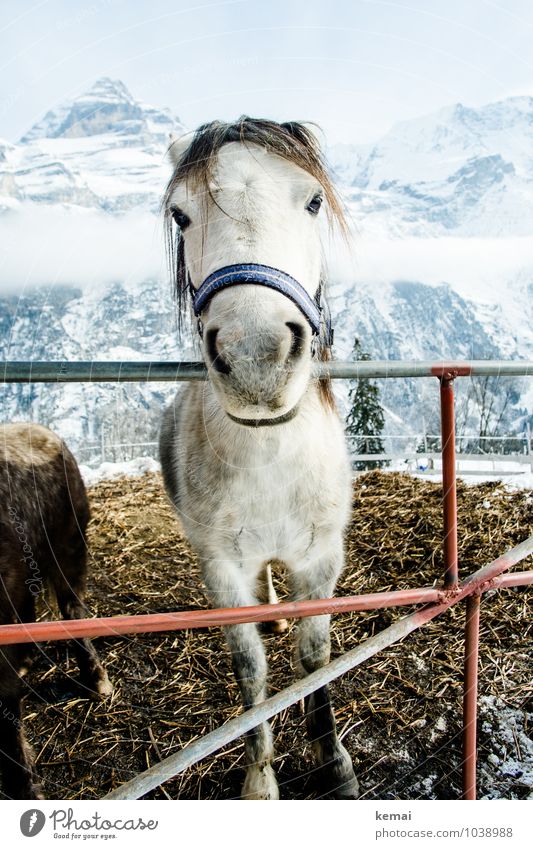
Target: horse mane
column 292, row 141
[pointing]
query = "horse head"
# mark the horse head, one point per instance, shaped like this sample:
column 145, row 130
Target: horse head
column 243, row 206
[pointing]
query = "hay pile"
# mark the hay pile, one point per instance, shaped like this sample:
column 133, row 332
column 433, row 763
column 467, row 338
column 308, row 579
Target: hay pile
column 399, row 713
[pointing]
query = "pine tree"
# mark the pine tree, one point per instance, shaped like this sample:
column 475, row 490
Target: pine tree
column 365, row 420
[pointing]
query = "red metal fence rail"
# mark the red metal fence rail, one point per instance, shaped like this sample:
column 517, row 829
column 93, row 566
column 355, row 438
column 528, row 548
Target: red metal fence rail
column 435, row 600
column 228, row 732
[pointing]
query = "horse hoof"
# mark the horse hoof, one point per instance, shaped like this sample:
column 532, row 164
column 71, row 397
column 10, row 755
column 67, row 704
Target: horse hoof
column 343, row 783
column 28, row 792
column 277, row 626
column 103, row 686
column 260, row 783
column 348, row 790
column 24, row 669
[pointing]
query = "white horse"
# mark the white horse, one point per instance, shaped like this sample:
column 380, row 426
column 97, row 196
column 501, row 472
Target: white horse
column 254, row 460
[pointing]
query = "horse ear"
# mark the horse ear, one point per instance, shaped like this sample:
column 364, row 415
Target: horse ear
column 311, row 129
column 177, row 147
column 317, row 133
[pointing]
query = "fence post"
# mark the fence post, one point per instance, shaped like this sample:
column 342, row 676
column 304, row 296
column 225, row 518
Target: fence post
column 447, row 413
column 470, row 696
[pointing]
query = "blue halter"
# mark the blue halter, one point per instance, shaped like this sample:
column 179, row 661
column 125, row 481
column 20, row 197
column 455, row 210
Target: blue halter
column 273, row 278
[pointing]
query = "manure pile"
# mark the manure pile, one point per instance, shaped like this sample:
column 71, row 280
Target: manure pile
column 399, row 714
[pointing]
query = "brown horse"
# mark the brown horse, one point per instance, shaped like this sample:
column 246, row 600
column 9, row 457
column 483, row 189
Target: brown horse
column 43, row 517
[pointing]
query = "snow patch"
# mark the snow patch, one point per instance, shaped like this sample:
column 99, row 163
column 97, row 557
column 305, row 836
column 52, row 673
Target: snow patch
column 507, row 747
column 110, row 471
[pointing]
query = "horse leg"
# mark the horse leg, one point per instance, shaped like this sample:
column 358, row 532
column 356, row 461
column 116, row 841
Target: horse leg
column 267, row 595
column 312, row 652
column 68, row 577
column 16, row 760
column 92, row 673
column 227, row 587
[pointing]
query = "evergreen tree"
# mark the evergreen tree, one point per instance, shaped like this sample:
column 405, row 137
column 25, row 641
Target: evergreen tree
column 365, row 420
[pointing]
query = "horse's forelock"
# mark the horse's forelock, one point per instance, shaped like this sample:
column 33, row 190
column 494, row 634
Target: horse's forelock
column 292, row 141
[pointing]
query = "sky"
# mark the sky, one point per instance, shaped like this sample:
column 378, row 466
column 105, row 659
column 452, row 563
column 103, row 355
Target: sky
column 356, row 67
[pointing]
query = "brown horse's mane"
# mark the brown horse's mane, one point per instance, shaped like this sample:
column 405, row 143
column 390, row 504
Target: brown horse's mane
column 292, row 141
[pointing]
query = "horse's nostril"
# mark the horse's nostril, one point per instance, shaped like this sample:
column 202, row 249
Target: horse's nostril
column 217, row 361
column 298, row 339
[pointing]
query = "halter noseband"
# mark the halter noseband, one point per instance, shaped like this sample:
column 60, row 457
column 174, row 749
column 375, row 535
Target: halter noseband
column 273, row 278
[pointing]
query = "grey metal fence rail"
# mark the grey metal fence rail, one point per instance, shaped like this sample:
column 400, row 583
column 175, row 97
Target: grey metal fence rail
column 97, row 371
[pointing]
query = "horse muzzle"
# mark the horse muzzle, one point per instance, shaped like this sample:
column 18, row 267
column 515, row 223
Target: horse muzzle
column 259, row 355
column 273, row 278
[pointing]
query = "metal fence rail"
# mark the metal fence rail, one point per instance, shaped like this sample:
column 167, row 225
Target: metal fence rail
column 149, row 623
column 474, row 584
column 435, row 600
column 97, row 371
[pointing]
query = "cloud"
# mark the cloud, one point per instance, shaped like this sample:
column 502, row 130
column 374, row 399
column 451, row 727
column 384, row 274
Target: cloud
column 478, row 269
column 85, row 248
column 47, row 245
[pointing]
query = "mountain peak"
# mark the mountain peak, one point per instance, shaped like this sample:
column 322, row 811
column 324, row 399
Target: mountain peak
column 107, row 90
column 106, row 107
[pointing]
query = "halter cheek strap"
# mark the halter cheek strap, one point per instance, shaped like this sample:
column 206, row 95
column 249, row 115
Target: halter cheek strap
column 273, row 278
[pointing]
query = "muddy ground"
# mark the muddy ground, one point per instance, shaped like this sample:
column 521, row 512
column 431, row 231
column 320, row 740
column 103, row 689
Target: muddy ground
column 399, row 714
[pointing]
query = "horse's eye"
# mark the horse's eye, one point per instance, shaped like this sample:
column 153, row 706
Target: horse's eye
column 314, row 205
column 180, row 218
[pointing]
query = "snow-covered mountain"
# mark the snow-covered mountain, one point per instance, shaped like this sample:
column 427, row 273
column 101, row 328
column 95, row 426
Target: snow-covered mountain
column 442, row 266
column 103, row 150
column 460, row 169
